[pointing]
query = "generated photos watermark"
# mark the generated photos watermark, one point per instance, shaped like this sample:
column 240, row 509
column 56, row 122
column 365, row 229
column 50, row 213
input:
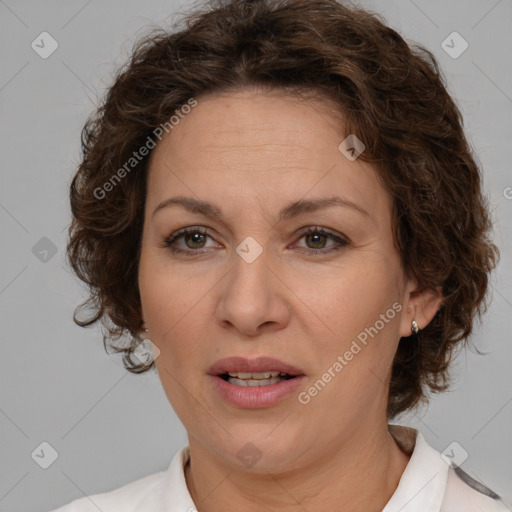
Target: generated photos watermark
column 304, row 397
column 143, row 151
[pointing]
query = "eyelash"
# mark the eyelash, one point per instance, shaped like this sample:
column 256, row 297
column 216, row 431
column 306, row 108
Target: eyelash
column 317, row 230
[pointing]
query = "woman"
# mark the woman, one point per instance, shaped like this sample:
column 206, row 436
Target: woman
column 281, row 201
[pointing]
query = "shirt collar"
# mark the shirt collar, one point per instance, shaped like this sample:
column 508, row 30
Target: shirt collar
column 423, row 483
column 420, row 489
column 175, row 492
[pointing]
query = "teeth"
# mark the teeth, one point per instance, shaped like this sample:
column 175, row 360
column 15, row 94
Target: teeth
column 249, row 379
column 254, row 382
column 261, row 375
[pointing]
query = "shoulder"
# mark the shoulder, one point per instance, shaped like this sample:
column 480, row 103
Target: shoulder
column 431, row 481
column 465, row 494
column 123, row 499
column 147, row 494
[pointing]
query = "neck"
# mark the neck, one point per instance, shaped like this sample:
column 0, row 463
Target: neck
column 359, row 475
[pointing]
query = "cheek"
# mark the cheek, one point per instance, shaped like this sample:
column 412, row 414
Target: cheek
column 355, row 350
column 349, row 300
column 174, row 302
column 170, row 292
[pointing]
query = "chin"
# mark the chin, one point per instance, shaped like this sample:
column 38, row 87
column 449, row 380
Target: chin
column 261, row 449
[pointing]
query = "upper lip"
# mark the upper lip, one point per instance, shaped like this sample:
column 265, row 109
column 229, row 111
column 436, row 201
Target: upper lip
column 257, row 365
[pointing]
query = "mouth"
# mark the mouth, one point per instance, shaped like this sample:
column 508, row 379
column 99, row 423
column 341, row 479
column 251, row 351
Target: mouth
column 255, row 379
column 255, row 383
column 253, row 369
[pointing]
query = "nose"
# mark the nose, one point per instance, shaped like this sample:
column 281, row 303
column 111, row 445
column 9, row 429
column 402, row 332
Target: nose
column 254, row 298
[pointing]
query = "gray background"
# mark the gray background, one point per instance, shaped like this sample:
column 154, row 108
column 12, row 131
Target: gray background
column 57, row 385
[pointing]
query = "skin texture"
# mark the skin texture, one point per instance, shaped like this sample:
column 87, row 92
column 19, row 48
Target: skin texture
column 251, row 153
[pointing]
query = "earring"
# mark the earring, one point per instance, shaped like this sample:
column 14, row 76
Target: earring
column 415, row 328
column 143, row 351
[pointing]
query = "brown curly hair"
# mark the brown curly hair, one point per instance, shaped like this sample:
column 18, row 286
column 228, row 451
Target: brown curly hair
column 393, row 97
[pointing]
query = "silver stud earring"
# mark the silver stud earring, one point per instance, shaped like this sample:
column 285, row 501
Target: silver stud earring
column 415, row 328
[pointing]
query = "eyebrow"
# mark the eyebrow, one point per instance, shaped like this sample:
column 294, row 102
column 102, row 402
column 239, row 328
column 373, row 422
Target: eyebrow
column 294, row 209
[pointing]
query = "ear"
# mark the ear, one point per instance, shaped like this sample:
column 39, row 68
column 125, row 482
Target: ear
column 142, row 329
column 418, row 305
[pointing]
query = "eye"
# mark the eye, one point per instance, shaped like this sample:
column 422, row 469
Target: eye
column 195, row 236
column 195, row 239
column 317, row 237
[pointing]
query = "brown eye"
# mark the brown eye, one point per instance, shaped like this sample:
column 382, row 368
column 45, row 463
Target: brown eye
column 316, row 239
column 194, row 238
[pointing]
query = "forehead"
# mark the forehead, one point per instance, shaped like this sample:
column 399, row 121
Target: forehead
column 246, row 146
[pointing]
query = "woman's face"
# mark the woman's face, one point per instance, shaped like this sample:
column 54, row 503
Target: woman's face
column 250, row 282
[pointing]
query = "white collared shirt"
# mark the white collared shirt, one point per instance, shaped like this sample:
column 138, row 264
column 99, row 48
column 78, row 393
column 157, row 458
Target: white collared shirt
column 428, row 484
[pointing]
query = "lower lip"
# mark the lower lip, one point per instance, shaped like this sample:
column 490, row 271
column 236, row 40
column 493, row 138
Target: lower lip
column 255, row 397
